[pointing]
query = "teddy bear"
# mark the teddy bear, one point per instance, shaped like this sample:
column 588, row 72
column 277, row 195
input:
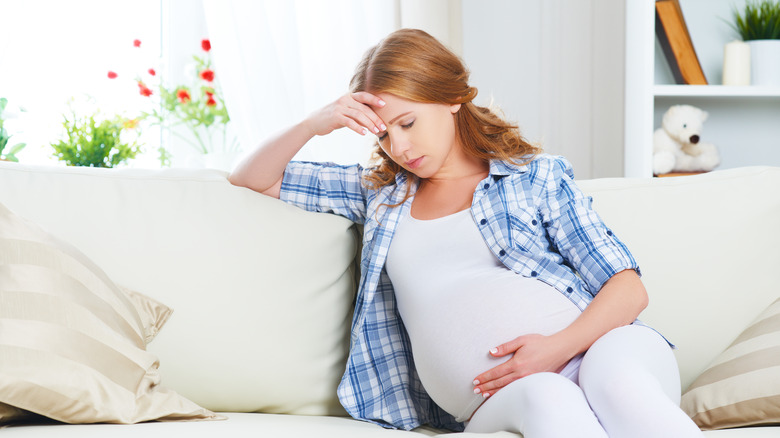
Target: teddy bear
column 677, row 145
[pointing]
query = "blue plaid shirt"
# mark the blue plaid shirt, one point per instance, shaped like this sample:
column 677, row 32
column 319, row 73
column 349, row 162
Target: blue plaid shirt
column 534, row 219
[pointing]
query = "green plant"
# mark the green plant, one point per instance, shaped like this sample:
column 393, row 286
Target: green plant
column 10, row 155
column 761, row 21
column 95, row 143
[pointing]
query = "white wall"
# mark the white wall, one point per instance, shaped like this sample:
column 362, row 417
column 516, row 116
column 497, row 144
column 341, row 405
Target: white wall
column 555, row 67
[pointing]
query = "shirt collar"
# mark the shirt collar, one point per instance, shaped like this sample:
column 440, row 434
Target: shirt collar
column 503, row 168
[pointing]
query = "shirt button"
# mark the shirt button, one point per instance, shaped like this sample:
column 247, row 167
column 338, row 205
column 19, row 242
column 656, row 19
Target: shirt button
column 483, row 222
column 609, row 232
column 533, row 222
column 502, row 253
column 569, row 289
column 534, row 273
column 486, row 186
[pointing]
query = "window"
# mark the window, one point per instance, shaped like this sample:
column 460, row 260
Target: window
column 52, row 50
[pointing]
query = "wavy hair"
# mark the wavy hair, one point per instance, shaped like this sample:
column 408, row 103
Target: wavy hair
column 411, row 64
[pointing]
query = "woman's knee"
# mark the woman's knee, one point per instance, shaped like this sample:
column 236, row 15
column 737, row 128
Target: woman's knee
column 630, row 360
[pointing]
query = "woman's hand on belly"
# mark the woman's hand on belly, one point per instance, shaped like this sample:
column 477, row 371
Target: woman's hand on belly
column 533, row 353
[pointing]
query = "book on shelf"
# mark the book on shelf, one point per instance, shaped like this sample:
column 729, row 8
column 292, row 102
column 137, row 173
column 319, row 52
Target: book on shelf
column 676, row 43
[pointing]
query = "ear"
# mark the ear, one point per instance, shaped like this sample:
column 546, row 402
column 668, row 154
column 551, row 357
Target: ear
column 704, row 115
column 454, row 108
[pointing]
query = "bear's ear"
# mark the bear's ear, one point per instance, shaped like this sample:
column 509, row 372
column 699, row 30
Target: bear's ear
column 704, row 115
column 671, row 112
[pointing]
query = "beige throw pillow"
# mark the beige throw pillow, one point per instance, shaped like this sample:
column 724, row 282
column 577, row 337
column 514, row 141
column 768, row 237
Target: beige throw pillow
column 72, row 343
column 742, row 386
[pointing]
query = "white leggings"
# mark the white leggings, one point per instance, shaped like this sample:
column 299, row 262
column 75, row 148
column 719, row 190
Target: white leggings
column 629, row 386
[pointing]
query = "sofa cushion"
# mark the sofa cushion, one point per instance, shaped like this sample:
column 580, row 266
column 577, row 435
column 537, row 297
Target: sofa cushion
column 707, row 247
column 262, row 290
column 72, row 344
column 742, row 386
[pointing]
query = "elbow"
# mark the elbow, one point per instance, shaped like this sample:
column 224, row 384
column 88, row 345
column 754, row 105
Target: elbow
column 644, row 301
column 235, row 180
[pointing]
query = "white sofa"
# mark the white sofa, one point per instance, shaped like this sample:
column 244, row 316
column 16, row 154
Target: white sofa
column 262, row 291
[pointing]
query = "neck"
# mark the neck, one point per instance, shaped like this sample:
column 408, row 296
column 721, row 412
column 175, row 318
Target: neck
column 458, row 167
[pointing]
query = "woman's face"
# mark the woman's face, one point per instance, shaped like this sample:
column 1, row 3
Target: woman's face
column 420, row 137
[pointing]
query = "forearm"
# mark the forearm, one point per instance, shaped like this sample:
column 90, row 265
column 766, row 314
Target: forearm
column 618, row 303
column 264, row 167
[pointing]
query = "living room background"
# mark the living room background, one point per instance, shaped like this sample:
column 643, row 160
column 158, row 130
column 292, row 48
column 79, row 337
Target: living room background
column 555, row 67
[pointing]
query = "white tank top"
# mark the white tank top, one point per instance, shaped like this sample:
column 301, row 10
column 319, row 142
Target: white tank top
column 457, row 301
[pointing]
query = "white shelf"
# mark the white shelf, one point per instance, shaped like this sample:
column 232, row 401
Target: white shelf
column 743, row 121
column 714, row 91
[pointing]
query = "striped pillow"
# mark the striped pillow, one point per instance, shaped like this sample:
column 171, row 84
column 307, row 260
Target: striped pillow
column 72, row 343
column 742, row 386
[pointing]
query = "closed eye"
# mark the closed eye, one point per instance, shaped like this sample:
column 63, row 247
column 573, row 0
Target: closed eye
column 407, row 126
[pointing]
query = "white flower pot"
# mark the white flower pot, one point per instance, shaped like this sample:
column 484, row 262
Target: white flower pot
column 765, row 62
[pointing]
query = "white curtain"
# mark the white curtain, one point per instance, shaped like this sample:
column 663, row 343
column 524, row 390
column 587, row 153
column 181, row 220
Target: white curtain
column 281, row 60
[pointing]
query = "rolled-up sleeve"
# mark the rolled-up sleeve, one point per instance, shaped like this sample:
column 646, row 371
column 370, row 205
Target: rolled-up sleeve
column 579, row 233
column 326, row 188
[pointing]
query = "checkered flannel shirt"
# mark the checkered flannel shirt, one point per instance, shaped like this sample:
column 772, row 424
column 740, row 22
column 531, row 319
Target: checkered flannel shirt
column 533, row 218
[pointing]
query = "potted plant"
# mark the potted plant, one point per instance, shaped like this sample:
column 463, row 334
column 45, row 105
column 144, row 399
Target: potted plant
column 10, row 153
column 759, row 26
column 93, row 142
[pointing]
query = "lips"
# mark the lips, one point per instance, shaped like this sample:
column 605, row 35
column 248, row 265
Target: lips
column 413, row 164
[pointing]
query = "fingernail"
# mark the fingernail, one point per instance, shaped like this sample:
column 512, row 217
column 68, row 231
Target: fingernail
column 494, row 350
column 486, row 395
column 476, row 390
column 376, row 130
column 381, row 102
column 475, row 382
column 384, row 128
column 365, row 131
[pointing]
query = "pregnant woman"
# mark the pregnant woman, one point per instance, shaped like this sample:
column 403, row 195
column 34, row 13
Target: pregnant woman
column 492, row 297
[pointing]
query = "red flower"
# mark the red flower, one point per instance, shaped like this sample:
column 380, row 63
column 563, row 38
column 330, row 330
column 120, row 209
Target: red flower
column 207, row 75
column 137, row 43
column 152, row 72
column 144, row 90
column 112, row 75
column 205, row 45
column 211, row 101
column 183, row 95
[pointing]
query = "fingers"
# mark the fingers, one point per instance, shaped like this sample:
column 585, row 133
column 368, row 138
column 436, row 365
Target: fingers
column 368, row 99
column 508, row 347
column 361, row 118
column 489, row 383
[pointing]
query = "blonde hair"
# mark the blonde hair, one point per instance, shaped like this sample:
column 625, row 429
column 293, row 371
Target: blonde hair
column 411, row 64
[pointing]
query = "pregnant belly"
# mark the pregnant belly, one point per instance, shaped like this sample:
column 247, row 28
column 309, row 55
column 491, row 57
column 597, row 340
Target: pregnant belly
column 451, row 341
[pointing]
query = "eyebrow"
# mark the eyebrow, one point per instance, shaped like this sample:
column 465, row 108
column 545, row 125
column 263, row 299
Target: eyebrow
column 398, row 117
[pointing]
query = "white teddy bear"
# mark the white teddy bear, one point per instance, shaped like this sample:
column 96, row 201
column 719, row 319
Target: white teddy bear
column 677, row 146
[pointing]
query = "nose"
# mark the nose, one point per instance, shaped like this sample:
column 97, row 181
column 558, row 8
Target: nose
column 694, row 139
column 399, row 147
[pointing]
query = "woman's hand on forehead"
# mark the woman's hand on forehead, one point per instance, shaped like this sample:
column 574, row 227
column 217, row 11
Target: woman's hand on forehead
column 352, row 110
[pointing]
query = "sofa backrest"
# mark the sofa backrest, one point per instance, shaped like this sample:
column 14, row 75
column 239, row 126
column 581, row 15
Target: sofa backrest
column 708, row 247
column 262, row 291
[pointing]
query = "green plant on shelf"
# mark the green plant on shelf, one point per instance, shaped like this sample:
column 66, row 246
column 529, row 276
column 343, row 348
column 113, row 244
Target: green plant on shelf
column 10, row 154
column 758, row 21
column 94, row 142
